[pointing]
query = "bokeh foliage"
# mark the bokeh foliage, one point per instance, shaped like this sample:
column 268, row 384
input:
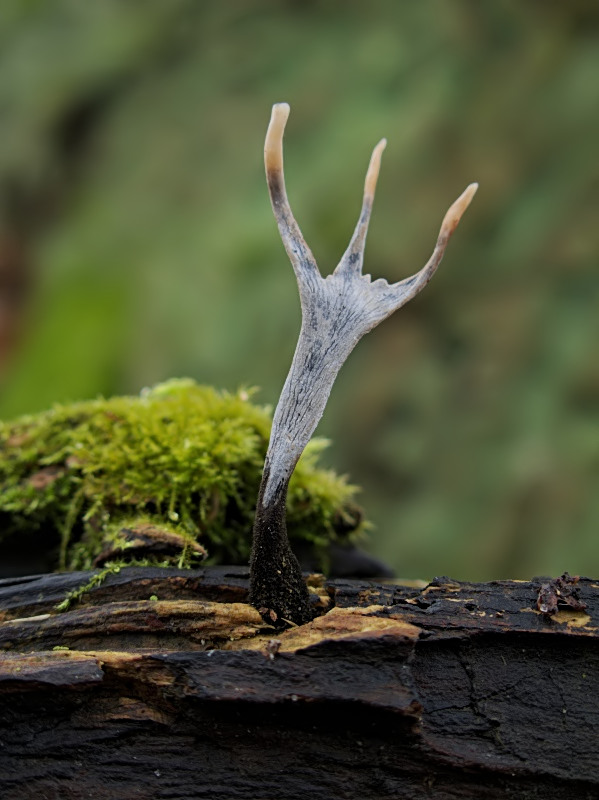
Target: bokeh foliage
column 131, row 138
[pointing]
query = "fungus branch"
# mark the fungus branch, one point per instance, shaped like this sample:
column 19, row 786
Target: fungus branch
column 336, row 312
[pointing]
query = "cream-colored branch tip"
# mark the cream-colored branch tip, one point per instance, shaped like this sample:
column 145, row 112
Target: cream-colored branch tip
column 456, row 210
column 273, row 145
column 374, row 167
column 298, row 251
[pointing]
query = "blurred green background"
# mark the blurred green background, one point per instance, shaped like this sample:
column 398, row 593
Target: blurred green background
column 137, row 240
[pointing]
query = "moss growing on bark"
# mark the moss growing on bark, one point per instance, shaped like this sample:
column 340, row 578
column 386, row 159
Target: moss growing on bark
column 165, row 477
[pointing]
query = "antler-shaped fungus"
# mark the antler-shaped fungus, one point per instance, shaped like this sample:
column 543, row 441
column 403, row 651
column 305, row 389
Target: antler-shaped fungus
column 336, row 312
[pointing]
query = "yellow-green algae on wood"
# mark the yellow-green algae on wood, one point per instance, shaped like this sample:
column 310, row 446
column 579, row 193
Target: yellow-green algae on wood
column 184, row 457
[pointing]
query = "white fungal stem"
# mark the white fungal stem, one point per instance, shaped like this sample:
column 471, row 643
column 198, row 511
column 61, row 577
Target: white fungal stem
column 336, row 311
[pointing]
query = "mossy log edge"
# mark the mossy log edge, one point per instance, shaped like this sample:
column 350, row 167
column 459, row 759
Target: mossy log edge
column 172, row 686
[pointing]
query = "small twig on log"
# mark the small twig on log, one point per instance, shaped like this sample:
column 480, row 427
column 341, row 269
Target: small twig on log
column 336, row 312
column 563, row 591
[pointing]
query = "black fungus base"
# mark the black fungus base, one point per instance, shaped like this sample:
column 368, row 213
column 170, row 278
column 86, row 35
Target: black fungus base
column 277, row 588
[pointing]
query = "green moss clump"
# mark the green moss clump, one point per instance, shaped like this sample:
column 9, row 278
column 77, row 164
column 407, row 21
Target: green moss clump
column 168, row 476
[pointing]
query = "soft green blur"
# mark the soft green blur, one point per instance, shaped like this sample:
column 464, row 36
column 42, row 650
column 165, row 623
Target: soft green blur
column 131, row 139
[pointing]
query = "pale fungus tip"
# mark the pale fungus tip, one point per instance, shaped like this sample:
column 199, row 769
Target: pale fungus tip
column 281, row 108
column 456, row 210
column 373, row 169
column 273, row 146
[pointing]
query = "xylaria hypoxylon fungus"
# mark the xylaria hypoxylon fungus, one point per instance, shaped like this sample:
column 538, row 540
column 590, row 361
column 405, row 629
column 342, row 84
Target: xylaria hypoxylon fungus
column 336, row 312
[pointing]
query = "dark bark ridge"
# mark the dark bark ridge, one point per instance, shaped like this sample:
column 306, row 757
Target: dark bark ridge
column 445, row 691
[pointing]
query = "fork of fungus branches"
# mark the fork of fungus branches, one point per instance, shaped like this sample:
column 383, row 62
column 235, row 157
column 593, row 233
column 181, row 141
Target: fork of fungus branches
column 336, row 312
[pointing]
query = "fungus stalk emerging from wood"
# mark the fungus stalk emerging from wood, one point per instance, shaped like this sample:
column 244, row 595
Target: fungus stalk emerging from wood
column 336, row 312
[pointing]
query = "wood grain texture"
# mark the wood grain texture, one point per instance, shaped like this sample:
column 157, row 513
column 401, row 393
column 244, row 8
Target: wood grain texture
column 451, row 690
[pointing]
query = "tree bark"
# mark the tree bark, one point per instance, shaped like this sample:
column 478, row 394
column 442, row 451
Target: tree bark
column 444, row 691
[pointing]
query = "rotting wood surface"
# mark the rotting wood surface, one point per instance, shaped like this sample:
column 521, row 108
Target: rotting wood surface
column 454, row 690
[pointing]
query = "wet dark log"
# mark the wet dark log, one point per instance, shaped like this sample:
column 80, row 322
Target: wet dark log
column 173, row 687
